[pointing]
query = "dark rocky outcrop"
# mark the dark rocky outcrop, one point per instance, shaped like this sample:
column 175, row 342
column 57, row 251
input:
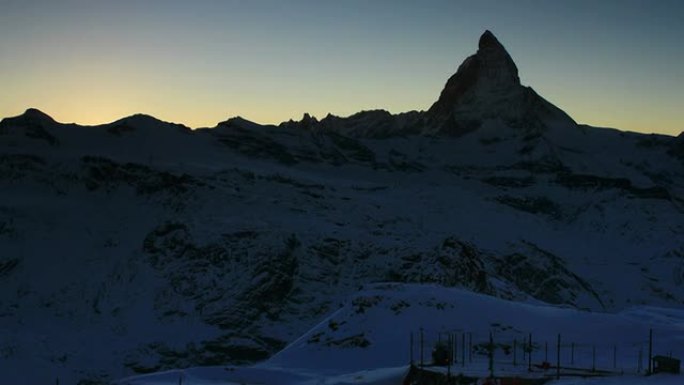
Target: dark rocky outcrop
column 33, row 124
column 485, row 87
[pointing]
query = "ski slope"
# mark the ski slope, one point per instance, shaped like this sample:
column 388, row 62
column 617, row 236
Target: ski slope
column 370, row 333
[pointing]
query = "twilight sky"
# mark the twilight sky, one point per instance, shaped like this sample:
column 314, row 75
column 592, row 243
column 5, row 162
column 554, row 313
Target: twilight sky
column 606, row 63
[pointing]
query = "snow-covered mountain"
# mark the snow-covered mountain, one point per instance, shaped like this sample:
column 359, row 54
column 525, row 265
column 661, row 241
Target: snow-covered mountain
column 142, row 245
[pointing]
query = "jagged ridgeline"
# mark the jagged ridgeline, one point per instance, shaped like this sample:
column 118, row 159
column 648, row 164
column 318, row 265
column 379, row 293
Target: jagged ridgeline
column 175, row 247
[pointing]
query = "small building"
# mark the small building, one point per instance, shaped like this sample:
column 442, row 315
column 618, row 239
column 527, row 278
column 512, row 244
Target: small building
column 664, row 364
column 440, row 354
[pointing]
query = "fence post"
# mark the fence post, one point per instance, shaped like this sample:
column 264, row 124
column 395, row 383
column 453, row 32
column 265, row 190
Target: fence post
column 421, row 348
column 454, row 347
column 524, row 350
column 451, row 353
column 411, row 348
column 529, row 354
column 470, row 347
column 463, row 348
column 546, row 351
column 491, row 355
column 572, row 354
column 558, row 348
column 515, row 352
column 650, row 351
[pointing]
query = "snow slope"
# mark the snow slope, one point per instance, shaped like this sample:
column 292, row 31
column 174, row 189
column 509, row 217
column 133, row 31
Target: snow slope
column 372, row 329
column 141, row 246
column 383, row 316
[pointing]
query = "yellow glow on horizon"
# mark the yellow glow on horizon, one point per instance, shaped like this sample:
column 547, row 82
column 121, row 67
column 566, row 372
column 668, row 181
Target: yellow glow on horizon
column 203, row 62
column 109, row 108
column 101, row 92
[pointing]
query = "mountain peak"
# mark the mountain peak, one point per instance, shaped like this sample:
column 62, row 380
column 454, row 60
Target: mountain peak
column 30, row 117
column 238, row 122
column 37, row 116
column 141, row 121
column 488, row 40
column 33, row 123
column 485, row 86
column 497, row 69
column 490, row 70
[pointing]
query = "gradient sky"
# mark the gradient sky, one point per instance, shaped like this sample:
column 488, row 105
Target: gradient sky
column 606, row 63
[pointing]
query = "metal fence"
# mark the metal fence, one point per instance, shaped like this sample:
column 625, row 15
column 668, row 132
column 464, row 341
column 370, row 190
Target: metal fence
column 513, row 352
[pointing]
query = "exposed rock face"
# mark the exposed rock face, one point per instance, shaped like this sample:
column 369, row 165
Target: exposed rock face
column 486, row 86
column 491, row 70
